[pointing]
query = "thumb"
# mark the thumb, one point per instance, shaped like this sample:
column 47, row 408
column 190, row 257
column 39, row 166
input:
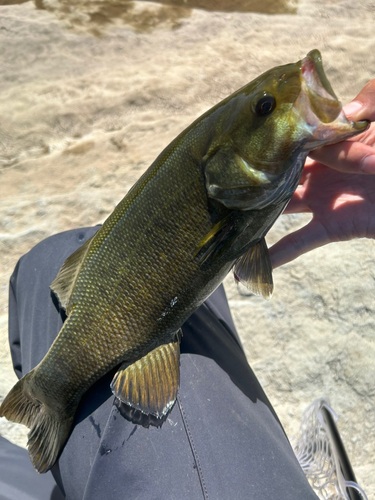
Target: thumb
column 311, row 236
column 363, row 106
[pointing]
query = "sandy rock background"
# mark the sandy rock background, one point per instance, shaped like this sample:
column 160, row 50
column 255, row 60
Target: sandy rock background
column 91, row 92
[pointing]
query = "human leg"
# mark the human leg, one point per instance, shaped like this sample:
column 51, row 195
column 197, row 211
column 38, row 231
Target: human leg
column 222, row 438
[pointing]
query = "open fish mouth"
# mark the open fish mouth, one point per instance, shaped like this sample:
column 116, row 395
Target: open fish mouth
column 319, row 107
column 322, row 99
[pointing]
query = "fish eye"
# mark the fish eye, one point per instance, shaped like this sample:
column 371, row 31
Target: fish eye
column 265, row 105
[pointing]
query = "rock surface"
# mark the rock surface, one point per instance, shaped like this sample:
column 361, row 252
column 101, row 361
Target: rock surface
column 92, row 92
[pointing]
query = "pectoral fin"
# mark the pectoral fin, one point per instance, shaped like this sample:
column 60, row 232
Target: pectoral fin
column 65, row 280
column 254, row 270
column 218, row 239
column 151, row 383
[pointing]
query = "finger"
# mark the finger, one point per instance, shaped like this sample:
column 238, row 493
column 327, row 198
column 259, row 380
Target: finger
column 349, row 157
column 363, row 106
column 309, row 237
column 310, row 165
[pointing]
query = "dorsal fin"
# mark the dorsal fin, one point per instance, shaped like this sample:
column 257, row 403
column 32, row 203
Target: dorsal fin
column 151, row 383
column 65, row 280
column 254, row 270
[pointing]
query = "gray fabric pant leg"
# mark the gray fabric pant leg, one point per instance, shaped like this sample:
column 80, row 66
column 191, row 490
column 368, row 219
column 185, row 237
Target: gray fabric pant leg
column 18, row 479
column 222, row 438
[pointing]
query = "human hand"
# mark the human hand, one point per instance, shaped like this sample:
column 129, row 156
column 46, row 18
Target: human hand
column 335, row 189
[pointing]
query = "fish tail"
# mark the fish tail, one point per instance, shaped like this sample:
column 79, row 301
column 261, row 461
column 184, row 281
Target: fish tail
column 49, row 429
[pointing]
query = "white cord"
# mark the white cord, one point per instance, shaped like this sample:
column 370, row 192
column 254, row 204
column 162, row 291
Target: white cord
column 317, row 454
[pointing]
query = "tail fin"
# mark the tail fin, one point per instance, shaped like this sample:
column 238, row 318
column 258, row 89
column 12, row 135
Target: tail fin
column 49, row 429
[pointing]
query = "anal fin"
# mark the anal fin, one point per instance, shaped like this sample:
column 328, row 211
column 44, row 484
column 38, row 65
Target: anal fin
column 254, row 270
column 150, row 384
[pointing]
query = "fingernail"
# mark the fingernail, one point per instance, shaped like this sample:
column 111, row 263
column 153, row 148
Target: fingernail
column 368, row 165
column 352, row 108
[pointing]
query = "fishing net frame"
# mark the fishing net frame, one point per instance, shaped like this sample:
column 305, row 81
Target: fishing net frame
column 322, row 456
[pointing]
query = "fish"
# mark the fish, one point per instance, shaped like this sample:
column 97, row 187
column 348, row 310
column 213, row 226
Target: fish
column 202, row 208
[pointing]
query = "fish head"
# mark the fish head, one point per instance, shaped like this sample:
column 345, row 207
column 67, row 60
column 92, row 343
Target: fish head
column 270, row 126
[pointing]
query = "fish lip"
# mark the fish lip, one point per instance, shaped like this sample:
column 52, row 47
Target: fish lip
column 360, row 126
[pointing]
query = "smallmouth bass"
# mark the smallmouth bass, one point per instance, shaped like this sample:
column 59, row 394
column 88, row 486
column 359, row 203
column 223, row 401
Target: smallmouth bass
column 202, row 208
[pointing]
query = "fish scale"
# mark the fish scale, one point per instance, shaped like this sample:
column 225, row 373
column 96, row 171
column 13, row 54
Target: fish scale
column 102, row 351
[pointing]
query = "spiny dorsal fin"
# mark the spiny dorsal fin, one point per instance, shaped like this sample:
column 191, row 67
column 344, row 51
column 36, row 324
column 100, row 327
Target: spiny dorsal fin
column 151, row 383
column 254, row 270
column 65, row 280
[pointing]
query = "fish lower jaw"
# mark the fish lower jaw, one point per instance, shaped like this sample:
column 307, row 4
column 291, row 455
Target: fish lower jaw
column 316, row 132
column 336, row 131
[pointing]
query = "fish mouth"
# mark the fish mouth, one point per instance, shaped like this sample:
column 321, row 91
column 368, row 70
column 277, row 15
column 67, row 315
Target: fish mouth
column 322, row 99
column 318, row 106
